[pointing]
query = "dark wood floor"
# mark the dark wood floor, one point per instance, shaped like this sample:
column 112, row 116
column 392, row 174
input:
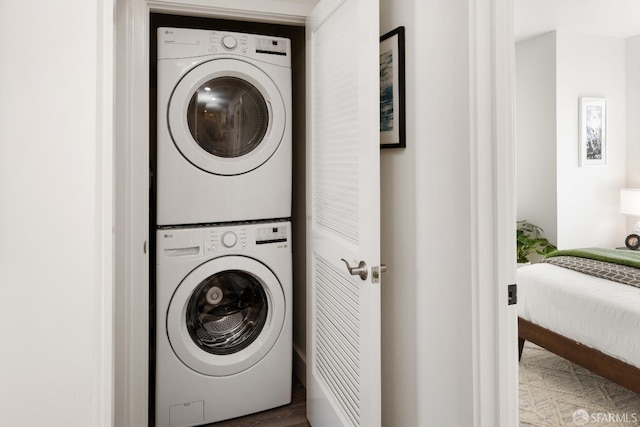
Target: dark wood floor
column 292, row 415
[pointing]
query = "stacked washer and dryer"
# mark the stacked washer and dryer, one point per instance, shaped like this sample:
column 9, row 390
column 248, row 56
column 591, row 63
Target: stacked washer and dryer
column 223, row 243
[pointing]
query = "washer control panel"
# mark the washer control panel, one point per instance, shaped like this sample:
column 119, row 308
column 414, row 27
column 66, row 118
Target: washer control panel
column 247, row 237
column 181, row 244
column 225, row 239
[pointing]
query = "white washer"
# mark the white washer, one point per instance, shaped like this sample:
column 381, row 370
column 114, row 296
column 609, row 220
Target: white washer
column 223, row 329
column 224, row 127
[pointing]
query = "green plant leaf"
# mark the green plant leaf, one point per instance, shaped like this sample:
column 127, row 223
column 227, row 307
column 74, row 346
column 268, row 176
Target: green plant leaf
column 529, row 240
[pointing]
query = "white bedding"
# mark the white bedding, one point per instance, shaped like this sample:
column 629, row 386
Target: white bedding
column 598, row 313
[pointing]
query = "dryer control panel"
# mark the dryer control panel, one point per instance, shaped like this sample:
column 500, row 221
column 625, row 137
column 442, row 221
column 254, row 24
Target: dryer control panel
column 175, row 43
column 272, row 234
column 229, row 42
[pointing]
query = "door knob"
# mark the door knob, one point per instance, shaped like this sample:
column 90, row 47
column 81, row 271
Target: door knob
column 360, row 270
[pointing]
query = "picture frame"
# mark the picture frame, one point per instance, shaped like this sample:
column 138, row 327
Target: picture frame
column 632, row 242
column 392, row 90
column 593, row 131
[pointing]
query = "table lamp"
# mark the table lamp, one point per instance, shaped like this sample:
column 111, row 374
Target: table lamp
column 630, row 205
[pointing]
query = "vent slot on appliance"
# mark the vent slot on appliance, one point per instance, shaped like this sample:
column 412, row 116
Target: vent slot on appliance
column 336, row 336
column 264, row 242
column 270, row 53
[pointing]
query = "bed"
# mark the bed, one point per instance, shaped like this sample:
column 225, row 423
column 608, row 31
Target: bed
column 584, row 305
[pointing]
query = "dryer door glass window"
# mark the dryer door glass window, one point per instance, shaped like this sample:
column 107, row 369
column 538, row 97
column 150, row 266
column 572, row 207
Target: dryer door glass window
column 228, row 117
column 227, row 312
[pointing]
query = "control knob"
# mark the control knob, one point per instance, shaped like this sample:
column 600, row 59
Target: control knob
column 229, row 42
column 229, row 239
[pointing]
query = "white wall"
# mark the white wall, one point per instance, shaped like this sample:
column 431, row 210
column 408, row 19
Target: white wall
column 588, row 197
column 427, row 293
column 443, row 214
column 55, row 213
column 398, row 219
column 633, row 112
column 536, row 132
column 578, row 206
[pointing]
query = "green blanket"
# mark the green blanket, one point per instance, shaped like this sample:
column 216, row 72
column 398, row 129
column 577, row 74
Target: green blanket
column 615, row 256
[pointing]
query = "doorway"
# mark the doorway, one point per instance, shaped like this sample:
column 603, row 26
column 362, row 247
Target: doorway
column 135, row 239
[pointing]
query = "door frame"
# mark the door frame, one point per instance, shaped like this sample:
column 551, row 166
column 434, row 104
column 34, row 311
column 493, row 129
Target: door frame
column 492, row 91
column 491, row 83
column 131, row 189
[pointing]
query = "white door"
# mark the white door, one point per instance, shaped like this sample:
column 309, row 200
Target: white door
column 343, row 214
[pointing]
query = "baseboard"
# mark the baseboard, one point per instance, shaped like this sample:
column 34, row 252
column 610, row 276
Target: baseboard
column 300, row 365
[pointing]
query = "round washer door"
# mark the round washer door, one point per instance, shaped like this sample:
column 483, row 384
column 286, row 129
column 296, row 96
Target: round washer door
column 226, row 315
column 226, row 117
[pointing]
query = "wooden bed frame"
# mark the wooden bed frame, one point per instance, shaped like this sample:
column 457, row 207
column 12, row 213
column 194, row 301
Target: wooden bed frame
column 619, row 372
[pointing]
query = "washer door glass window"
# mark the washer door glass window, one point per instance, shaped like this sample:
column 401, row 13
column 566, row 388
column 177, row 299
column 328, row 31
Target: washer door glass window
column 228, row 117
column 225, row 315
column 227, row 312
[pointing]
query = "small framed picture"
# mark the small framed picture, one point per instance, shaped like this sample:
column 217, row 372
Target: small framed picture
column 392, row 90
column 593, row 131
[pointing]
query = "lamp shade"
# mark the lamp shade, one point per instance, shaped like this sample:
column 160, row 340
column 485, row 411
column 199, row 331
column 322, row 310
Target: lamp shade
column 630, row 201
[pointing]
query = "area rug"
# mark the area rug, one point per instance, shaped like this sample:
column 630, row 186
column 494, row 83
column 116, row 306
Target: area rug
column 556, row 392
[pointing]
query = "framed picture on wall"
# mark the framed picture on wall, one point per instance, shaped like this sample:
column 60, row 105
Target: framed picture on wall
column 593, row 131
column 392, row 90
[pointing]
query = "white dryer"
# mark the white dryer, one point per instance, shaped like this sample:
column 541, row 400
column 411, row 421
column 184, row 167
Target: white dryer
column 224, row 127
column 223, row 330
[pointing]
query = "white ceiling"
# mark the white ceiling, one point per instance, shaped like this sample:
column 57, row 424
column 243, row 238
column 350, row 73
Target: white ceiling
column 617, row 18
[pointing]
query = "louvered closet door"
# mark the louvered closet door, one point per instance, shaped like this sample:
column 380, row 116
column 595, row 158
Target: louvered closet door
column 343, row 310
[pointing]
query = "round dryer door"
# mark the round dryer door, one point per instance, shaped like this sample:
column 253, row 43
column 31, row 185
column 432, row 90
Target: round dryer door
column 226, row 315
column 226, row 117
